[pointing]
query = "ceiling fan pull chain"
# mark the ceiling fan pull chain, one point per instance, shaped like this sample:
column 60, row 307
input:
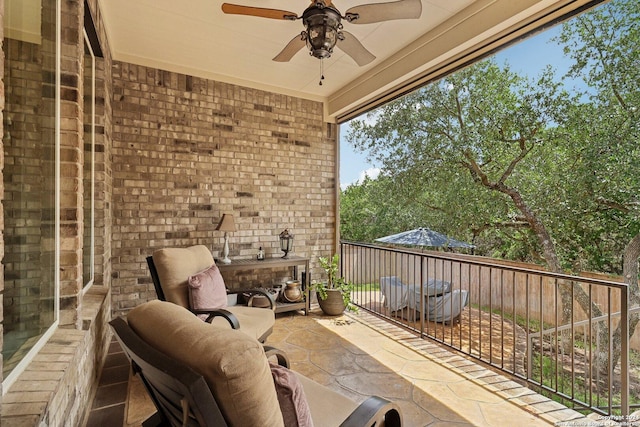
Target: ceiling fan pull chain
column 321, row 71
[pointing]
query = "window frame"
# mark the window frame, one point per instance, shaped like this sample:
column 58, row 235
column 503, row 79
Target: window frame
column 13, row 376
column 91, row 279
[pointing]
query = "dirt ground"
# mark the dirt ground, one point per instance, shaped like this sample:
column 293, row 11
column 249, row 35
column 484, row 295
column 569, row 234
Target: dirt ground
column 477, row 333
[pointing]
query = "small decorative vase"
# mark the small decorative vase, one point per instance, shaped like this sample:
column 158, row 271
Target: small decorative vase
column 292, row 292
column 333, row 305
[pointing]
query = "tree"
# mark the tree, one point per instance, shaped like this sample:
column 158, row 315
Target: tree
column 369, row 209
column 565, row 166
column 387, row 205
column 486, row 123
column 604, row 47
column 484, row 126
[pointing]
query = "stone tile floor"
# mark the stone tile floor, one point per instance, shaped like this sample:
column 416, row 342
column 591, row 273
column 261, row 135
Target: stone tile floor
column 110, row 401
column 360, row 355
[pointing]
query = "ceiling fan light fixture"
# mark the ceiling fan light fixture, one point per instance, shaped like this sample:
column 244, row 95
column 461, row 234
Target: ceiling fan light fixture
column 323, row 30
column 323, row 27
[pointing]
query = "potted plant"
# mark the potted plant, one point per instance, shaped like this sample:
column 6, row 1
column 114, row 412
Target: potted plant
column 334, row 295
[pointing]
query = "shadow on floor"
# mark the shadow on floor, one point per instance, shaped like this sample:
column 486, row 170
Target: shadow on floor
column 352, row 358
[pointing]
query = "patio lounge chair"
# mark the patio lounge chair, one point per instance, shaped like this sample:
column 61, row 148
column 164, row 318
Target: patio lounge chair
column 441, row 304
column 199, row 375
column 171, row 269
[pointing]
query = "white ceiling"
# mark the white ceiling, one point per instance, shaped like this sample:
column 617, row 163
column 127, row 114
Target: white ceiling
column 194, row 37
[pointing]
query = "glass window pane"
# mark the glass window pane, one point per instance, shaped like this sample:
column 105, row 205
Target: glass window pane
column 89, row 159
column 29, row 176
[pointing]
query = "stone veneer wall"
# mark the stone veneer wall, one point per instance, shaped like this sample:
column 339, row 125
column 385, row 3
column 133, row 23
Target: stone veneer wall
column 187, row 150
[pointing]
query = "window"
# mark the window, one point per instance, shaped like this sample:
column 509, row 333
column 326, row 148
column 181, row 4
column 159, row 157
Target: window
column 88, row 249
column 30, row 179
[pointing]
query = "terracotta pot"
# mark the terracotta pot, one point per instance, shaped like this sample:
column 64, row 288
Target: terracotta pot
column 333, row 305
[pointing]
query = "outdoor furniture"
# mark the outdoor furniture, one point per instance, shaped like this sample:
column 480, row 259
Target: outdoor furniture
column 424, row 237
column 441, row 304
column 171, row 269
column 445, row 308
column 199, row 375
column 395, row 293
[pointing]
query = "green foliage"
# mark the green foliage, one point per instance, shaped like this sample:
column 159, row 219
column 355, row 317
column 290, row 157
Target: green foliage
column 604, row 133
column 334, row 281
column 371, row 209
column 553, row 376
column 519, row 166
column 367, row 287
column 439, row 143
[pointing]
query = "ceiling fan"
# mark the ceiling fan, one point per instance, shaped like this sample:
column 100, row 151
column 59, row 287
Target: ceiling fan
column 323, row 26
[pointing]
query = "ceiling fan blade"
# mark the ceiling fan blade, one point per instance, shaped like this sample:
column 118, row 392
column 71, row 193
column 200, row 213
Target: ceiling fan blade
column 378, row 12
column 290, row 49
column 236, row 9
column 352, row 47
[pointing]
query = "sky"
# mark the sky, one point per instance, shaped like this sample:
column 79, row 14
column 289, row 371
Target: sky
column 529, row 57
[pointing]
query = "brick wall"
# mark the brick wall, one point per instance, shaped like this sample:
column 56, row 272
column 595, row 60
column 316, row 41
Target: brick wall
column 72, row 154
column 71, row 163
column 186, row 150
column 173, row 153
column 2, row 102
column 103, row 171
column 57, row 387
column 59, row 383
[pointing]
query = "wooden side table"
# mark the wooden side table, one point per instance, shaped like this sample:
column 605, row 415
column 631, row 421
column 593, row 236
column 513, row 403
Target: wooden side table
column 293, row 261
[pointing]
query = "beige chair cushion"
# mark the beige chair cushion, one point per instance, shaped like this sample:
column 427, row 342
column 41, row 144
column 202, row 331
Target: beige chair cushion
column 175, row 265
column 233, row 364
column 254, row 322
column 328, row 408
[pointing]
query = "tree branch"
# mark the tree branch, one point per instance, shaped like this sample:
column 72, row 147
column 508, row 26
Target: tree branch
column 524, row 150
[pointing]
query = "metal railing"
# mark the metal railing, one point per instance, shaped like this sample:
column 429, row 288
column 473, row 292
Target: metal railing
column 565, row 336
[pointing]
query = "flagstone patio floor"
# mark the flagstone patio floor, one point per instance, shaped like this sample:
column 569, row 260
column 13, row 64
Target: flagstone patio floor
column 361, row 355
